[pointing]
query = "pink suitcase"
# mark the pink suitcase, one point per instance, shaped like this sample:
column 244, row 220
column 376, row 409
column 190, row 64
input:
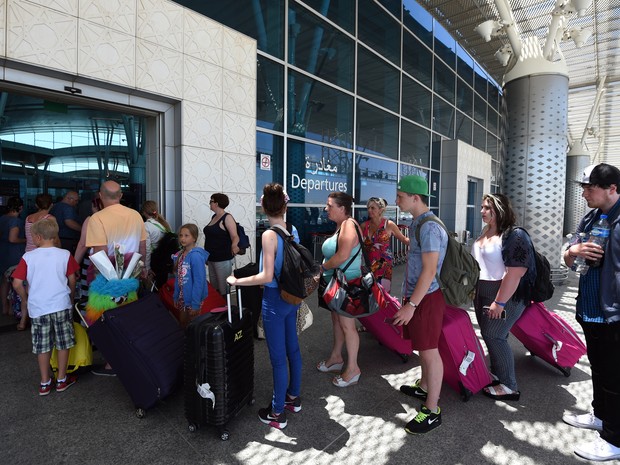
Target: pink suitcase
column 388, row 335
column 546, row 335
column 464, row 366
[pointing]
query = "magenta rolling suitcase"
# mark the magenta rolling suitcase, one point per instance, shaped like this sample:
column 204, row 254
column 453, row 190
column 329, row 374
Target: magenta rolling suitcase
column 464, row 366
column 546, row 335
column 388, row 335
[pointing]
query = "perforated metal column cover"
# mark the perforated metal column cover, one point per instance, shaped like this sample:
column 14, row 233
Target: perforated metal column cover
column 576, row 206
column 535, row 168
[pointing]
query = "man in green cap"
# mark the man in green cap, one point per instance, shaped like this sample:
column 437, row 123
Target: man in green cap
column 423, row 302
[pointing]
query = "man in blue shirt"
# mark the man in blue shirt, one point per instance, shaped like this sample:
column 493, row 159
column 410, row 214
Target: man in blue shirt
column 598, row 312
column 66, row 216
column 423, row 302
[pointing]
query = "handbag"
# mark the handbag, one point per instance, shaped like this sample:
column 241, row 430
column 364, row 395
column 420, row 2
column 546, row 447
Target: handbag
column 357, row 298
column 304, row 320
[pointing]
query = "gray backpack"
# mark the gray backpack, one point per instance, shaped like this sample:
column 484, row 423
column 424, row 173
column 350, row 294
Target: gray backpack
column 459, row 272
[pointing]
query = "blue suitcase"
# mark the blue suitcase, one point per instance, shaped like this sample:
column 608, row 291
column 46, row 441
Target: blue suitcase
column 144, row 344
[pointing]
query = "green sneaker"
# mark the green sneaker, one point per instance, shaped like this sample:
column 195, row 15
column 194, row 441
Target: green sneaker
column 424, row 421
column 415, row 390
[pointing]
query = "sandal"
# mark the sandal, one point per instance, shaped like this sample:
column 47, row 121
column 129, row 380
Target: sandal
column 494, row 392
column 335, row 368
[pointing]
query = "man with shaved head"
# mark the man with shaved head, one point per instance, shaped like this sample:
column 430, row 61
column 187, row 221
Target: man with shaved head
column 115, row 224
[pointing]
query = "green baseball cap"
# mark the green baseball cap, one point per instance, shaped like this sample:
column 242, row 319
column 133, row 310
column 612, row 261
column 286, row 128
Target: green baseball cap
column 413, row 185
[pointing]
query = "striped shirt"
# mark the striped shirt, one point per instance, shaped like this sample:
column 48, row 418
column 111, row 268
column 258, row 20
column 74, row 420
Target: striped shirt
column 588, row 300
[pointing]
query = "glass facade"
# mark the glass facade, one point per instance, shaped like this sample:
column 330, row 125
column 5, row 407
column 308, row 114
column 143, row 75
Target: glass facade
column 368, row 89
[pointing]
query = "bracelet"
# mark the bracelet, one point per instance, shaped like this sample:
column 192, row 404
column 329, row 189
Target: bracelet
column 501, row 304
column 412, row 304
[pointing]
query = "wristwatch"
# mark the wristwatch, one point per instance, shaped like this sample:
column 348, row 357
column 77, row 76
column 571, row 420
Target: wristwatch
column 412, row 304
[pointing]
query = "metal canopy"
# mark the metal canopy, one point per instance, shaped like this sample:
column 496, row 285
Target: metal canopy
column 599, row 57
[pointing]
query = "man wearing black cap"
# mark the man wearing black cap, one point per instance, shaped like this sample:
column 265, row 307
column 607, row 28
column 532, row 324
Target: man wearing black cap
column 598, row 312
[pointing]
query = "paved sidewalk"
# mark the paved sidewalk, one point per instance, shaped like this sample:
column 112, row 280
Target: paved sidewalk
column 94, row 423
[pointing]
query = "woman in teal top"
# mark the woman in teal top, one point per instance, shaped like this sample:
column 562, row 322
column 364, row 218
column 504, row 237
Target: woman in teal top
column 337, row 251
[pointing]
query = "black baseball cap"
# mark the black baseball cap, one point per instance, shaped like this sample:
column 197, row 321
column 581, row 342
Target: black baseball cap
column 600, row 175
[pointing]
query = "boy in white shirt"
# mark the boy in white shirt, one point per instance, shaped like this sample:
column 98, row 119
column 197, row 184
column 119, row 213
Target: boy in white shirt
column 50, row 273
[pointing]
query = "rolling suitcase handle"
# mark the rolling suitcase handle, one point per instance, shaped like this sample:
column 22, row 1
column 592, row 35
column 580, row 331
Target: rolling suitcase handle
column 228, row 292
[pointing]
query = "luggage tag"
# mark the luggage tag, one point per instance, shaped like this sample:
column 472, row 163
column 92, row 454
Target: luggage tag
column 469, row 358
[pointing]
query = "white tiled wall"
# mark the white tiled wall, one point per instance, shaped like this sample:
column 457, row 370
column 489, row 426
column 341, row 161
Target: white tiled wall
column 158, row 47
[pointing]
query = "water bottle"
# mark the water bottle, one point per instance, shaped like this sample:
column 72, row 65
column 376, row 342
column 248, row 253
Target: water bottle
column 580, row 263
column 599, row 235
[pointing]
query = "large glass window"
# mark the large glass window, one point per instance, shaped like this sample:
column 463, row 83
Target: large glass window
column 444, row 81
column 415, row 145
column 493, row 121
column 417, row 60
column 374, row 178
column 464, row 97
column 262, row 20
column 269, row 160
column 463, row 128
column 377, row 131
column 319, row 48
column 445, row 46
column 269, row 94
column 379, row 30
column 416, row 102
column 464, row 65
column 480, row 138
column 419, row 21
column 341, row 12
column 318, row 111
column 492, row 145
column 314, row 171
column 480, row 111
column 480, row 81
column 377, row 80
column 443, row 118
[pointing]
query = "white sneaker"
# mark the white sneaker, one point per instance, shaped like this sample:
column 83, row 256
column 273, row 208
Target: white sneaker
column 585, row 420
column 598, row 450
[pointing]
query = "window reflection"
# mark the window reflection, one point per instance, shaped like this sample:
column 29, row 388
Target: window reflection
column 341, row 12
column 416, row 102
column 415, row 144
column 53, row 146
column 417, row 60
column 318, row 111
column 419, row 21
column 445, row 46
column 319, row 48
column 379, row 30
column 443, row 118
column 375, row 178
column 377, row 131
column 463, row 128
column 377, row 80
column 444, row 81
column 269, row 160
column 269, row 94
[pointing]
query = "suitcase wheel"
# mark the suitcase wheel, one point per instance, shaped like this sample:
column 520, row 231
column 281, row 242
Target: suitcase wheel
column 140, row 413
column 565, row 371
column 224, row 435
column 192, row 428
column 251, row 401
column 465, row 393
column 404, row 357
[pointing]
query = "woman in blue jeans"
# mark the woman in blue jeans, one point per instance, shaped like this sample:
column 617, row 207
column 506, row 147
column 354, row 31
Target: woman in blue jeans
column 279, row 317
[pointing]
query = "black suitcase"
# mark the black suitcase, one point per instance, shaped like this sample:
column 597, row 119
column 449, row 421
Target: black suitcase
column 253, row 295
column 144, row 344
column 219, row 367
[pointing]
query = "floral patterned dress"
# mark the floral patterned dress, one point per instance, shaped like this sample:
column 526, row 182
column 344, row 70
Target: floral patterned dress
column 378, row 249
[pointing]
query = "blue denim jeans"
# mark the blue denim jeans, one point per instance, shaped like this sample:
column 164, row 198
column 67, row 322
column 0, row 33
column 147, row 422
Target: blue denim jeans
column 280, row 324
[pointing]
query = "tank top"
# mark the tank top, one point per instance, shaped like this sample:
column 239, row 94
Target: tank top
column 27, row 226
column 217, row 241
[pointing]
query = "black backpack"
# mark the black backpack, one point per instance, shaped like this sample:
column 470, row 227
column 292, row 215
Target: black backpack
column 161, row 257
column 300, row 273
column 244, row 240
column 542, row 288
